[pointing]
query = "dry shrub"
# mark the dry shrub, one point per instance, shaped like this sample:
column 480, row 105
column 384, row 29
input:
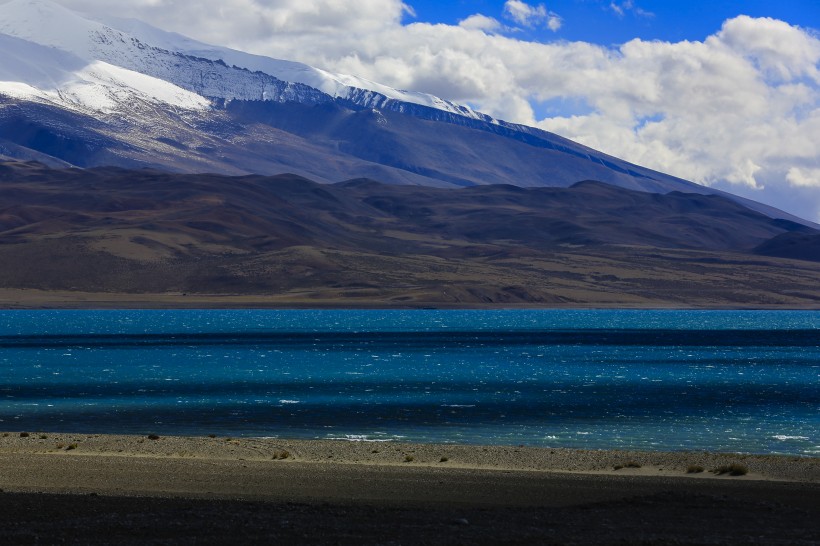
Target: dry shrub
column 734, row 469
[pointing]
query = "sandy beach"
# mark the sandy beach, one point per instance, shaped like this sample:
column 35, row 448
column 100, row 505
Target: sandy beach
column 80, row 488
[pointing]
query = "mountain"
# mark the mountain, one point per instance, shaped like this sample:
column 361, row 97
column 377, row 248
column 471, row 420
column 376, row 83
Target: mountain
column 85, row 92
column 797, row 245
column 110, row 236
column 392, row 198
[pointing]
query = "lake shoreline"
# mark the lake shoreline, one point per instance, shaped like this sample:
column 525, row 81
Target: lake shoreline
column 335, row 491
column 441, row 456
column 34, row 299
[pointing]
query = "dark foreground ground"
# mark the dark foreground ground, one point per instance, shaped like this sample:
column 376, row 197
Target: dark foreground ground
column 662, row 518
column 461, row 508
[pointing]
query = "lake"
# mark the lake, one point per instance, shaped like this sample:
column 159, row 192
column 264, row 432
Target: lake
column 745, row 381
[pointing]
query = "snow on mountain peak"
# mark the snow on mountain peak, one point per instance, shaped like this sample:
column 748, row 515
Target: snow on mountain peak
column 139, row 47
column 104, row 87
column 41, row 61
column 46, row 23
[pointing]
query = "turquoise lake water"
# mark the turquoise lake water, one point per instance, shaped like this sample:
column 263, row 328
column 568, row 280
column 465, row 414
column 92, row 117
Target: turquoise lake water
column 746, row 381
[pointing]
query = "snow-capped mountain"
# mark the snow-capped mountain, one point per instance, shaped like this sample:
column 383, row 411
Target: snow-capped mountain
column 82, row 91
column 210, row 71
column 59, row 77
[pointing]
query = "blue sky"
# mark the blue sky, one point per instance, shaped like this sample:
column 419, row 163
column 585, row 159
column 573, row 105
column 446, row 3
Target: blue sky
column 598, row 21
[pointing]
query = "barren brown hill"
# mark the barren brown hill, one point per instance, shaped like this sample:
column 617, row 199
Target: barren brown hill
column 100, row 235
column 800, row 245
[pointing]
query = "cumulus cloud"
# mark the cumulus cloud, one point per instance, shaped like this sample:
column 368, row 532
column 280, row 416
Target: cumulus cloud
column 780, row 51
column 531, row 16
column 739, row 109
column 481, row 22
column 722, row 111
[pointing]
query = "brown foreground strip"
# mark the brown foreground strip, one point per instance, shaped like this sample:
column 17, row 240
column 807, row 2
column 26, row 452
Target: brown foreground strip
column 218, row 490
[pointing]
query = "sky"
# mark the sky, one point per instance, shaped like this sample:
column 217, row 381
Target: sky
column 725, row 93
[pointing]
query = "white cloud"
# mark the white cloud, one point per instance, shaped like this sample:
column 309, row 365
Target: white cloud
column 740, row 109
column 780, row 51
column 481, row 22
column 712, row 111
column 524, row 14
column 242, row 22
column 809, row 178
column 531, row 16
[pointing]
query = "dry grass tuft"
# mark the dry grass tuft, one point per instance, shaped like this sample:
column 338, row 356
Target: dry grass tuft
column 734, row 469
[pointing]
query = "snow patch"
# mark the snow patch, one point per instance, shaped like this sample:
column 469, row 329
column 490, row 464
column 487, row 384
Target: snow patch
column 101, row 87
column 46, row 54
column 106, row 86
